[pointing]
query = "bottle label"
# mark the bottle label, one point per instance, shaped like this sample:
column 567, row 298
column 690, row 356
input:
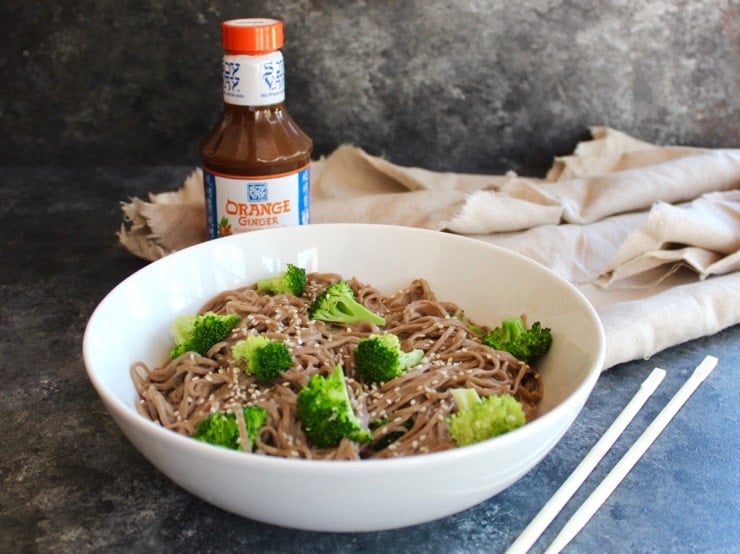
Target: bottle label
column 254, row 80
column 240, row 204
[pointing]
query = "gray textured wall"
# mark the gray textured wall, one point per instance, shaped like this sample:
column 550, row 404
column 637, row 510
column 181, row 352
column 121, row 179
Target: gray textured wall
column 467, row 85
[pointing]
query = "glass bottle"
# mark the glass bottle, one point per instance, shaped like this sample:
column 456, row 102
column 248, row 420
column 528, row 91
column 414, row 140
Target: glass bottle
column 256, row 160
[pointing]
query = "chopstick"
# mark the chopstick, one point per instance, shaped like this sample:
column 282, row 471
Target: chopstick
column 551, row 509
column 631, row 457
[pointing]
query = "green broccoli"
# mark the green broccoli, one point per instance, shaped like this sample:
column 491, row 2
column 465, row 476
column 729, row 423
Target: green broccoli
column 527, row 345
column 291, row 281
column 480, row 419
column 325, row 410
column 221, row 428
column 379, row 358
column 265, row 358
column 337, row 303
column 198, row 333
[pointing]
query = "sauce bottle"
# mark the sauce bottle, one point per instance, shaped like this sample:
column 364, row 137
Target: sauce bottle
column 256, row 160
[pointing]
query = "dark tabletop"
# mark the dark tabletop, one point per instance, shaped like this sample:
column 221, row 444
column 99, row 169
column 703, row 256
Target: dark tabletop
column 71, row 482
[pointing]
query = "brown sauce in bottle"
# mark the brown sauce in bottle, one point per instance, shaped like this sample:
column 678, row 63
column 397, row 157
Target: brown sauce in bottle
column 256, row 160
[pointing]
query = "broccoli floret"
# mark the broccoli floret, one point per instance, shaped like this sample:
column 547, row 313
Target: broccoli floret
column 337, row 303
column 325, row 410
column 198, row 333
column 480, row 419
column 527, row 345
column 379, row 358
column 222, row 429
column 255, row 418
column 265, row 358
column 290, row 281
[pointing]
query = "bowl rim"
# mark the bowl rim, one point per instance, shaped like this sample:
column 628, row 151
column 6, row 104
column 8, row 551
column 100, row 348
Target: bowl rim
column 577, row 396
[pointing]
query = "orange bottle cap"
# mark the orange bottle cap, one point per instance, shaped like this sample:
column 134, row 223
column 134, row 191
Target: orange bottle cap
column 252, row 36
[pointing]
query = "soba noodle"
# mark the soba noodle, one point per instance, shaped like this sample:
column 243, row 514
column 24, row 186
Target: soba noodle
column 412, row 409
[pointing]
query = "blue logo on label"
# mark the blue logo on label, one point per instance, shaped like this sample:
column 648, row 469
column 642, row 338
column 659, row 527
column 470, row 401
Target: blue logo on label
column 257, row 192
column 274, row 76
column 231, row 77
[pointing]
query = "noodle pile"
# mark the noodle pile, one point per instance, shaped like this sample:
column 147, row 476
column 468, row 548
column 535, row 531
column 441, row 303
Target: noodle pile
column 406, row 415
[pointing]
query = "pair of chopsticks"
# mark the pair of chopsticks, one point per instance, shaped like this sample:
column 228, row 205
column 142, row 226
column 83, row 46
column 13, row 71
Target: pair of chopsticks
column 579, row 519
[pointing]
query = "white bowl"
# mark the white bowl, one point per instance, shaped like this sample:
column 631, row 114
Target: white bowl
column 132, row 323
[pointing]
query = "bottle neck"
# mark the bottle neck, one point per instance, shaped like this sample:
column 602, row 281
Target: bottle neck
column 254, row 80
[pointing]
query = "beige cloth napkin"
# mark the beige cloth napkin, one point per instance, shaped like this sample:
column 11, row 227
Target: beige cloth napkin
column 650, row 234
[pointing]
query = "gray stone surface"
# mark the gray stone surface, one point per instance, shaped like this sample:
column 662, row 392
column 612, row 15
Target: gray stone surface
column 472, row 85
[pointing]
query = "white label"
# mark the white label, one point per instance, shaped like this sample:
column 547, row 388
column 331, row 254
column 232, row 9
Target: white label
column 237, row 205
column 254, row 80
